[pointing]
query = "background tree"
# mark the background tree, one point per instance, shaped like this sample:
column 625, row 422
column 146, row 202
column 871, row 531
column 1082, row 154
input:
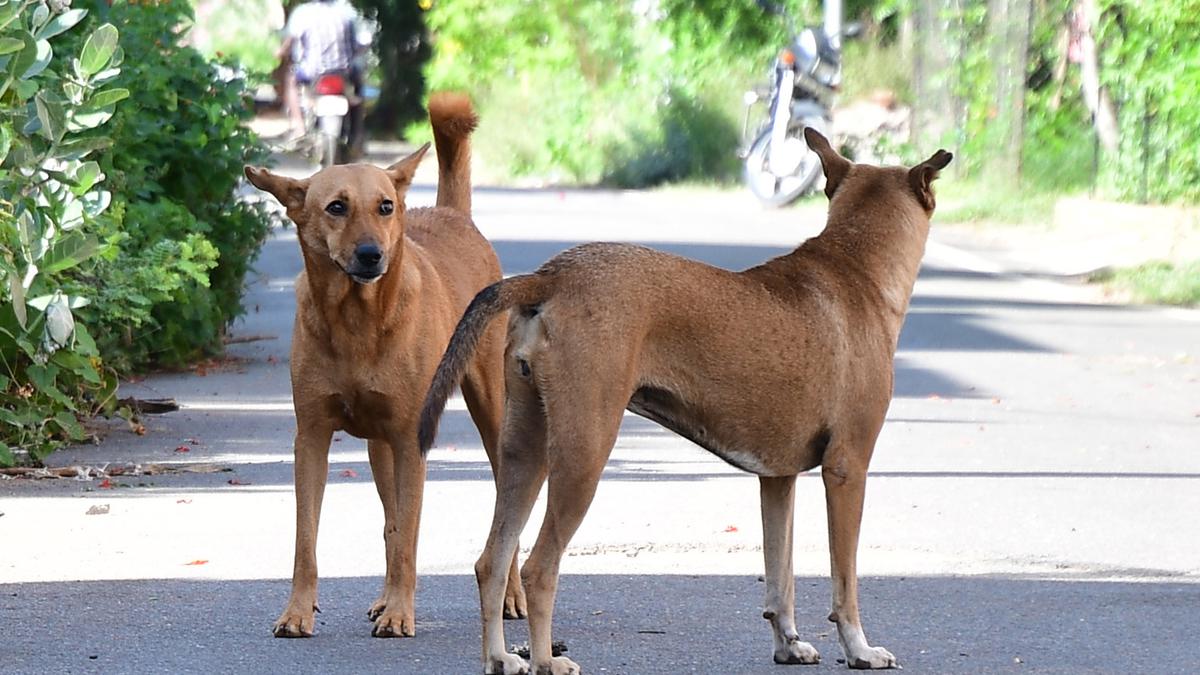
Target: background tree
column 402, row 47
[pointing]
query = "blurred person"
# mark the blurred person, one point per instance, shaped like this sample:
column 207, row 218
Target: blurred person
column 323, row 36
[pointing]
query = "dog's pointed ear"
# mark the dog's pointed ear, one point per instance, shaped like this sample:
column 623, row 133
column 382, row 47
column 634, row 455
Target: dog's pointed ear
column 836, row 167
column 921, row 178
column 289, row 191
column 402, row 172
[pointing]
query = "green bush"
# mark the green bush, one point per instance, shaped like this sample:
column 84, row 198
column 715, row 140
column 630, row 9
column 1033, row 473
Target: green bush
column 184, row 242
column 50, row 199
column 625, row 93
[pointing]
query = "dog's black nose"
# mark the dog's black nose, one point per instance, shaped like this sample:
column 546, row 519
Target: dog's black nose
column 368, row 255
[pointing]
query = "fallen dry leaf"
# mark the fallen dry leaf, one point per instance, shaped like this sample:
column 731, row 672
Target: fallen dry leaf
column 183, row 501
column 98, row 510
column 349, row 473
column 182, row 448
column 197, row 562
column 731, row 528
column 235, row 481
column 105, row 484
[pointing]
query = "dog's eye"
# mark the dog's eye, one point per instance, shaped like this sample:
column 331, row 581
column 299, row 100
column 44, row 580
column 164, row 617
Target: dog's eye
column 386, row 207
column 336, row 207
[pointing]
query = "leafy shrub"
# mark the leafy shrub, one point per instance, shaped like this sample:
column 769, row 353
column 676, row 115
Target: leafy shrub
column 625, row 93
column 49, row 201
column 183, row 241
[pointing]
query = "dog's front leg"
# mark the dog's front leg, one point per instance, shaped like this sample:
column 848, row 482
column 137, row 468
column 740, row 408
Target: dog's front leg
column 312, row 467
column 397, row 607
column 383, row 471
column 845, row 482
column 778, row 506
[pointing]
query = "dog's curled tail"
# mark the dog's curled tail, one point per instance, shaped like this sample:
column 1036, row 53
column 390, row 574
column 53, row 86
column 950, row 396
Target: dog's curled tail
column 527, row 289
column 453, row 119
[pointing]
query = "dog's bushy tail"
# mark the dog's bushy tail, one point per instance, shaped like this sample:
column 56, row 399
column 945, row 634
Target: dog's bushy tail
column 453, row 119
column 524, row 290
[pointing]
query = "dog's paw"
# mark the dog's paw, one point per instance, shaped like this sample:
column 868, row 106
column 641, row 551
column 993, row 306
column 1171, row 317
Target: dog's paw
column 559, row 665
column 872, row 658
column 394, row 624
column 797, row 652
column 294, row 623
column 506, row 664
column 376, row 609
column 514, row 602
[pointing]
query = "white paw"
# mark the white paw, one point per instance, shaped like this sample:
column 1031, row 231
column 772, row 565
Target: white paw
column 797, row 652
column 872, row 658
column 559, row 665
column 506, row 664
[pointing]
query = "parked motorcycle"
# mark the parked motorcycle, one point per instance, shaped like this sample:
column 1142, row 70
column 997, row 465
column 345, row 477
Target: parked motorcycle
column 779, row 166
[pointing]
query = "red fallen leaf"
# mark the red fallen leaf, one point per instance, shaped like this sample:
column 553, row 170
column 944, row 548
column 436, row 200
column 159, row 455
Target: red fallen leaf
column 731, row 528
column 106, row 484
column 349, row 473
column 272, row 359
column 197, row 562
column 193, row 441
column 235, row 481
column 183, row 501
column 140, row 430
column 182, row 448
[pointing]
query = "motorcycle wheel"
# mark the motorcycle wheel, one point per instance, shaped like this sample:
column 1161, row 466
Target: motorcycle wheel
column 775, row 191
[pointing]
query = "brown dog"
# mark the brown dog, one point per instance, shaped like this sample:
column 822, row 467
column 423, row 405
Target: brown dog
column 376, row 304
column 777, row 369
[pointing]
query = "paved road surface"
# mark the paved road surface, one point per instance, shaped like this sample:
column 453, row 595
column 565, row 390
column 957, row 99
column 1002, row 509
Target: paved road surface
column 1032, row 507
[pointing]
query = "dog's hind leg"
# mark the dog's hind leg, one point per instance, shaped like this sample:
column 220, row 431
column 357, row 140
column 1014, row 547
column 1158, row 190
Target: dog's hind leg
column 582, row 422
column 312, row 466
column 383, row 470
column 778, row 506
column 519, row 477
column 483, row 390
column 845, row 480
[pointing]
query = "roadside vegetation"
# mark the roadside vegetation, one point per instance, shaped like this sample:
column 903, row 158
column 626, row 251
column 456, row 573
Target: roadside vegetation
column 1160, row 282
column 122, row 246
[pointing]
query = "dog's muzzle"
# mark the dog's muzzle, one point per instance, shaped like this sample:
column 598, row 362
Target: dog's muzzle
column 367, row 265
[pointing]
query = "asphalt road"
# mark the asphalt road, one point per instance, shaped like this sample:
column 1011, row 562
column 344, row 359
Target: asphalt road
column 1032, row 505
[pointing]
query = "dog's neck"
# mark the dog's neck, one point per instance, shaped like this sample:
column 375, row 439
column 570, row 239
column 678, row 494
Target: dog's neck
column 340, row 303
column 877, row 255
column 886, row 248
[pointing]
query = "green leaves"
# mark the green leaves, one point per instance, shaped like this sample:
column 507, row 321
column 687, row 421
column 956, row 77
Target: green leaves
column 52, row 115
column 9, row 45
column 61, row 23
column 49, row 200
column 97, row 51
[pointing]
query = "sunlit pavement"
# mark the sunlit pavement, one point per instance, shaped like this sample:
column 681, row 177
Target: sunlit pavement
column 1032, row 503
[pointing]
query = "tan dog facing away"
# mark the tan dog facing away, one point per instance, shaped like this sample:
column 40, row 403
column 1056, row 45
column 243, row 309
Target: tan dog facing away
column 777, row 369
column 376, row 304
